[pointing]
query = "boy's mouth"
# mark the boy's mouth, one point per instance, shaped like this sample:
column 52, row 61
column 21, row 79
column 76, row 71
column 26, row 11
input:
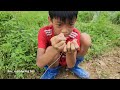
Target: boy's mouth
column 66, row 35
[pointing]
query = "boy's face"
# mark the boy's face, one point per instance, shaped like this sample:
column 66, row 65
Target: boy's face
column 62, row 27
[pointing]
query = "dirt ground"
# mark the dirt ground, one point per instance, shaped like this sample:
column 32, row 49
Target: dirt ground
column 106, row 66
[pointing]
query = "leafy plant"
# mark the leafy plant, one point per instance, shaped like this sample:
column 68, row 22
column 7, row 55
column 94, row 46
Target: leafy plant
column 85, row 16
column 115, row 18
column 18, row 39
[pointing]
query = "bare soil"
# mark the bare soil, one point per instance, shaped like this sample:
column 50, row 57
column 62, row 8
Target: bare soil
column 106, row 66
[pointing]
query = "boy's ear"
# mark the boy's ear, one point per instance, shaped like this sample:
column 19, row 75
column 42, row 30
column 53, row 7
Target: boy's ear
column 50, row 21
column 75, row 20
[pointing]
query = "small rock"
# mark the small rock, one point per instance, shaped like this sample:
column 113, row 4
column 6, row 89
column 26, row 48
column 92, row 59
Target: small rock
column 102, row 63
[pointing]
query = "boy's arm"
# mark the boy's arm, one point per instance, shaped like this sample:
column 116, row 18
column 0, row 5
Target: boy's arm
column 71, row 53
column 71, row 59
column 43, row 58
column 46, row 56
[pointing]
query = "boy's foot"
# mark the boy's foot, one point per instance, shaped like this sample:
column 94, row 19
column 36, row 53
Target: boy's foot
column 80, row 72
column 50, row 73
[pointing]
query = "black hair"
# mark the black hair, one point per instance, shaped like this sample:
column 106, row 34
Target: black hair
column 63, row 15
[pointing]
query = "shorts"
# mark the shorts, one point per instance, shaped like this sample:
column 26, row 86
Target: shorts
column 62, row 62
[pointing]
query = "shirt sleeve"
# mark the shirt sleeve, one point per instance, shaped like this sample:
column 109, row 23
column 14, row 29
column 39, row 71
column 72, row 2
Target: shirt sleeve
column 42, row 39
column 78, row 39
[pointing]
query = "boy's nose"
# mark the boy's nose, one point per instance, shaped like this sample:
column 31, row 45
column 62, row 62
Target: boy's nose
column 64, row 31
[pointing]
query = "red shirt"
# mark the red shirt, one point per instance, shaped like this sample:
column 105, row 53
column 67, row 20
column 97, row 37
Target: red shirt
column 47, row 32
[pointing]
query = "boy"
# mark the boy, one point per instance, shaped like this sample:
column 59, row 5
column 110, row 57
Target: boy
column 61, row 41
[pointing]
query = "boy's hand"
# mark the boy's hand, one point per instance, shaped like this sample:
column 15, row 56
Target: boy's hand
column 58, row 42
column 71, row 47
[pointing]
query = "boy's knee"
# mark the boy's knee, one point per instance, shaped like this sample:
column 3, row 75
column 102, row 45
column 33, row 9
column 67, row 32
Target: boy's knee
column 85, row 39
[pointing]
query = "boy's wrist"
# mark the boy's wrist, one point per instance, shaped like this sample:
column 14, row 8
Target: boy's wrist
column 55, row 50
column 70, row 53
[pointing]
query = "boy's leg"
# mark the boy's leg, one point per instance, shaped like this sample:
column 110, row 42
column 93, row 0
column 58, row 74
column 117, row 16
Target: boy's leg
column 53, row 70
column 85, row 44
column 81, row 73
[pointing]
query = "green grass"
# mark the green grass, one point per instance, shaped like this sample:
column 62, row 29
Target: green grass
column 18, row 38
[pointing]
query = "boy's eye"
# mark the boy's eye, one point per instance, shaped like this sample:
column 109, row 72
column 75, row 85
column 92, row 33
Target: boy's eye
column 59, row 24
column 71, row 24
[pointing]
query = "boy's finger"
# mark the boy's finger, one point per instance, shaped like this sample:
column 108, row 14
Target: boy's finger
column 75, row 43
column 62, row 37
column 60, row 43
column 62, row 47
column 68, row 47
column 65, row 48
column 57, row 39
column 52, row 40
column 72, row 47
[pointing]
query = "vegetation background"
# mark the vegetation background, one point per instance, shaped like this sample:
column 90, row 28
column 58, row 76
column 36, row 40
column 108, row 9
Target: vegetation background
column 18, row 38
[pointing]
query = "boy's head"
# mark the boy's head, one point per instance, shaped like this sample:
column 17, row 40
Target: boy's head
column 63, row 21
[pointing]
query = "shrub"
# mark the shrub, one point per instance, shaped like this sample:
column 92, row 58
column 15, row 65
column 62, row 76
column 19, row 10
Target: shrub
column 18, row 39
column 18, row 47
column 115, row 18
column 85, row 16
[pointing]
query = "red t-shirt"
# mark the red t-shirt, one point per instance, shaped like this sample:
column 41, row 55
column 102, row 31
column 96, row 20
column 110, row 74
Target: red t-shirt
column 47, row 32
